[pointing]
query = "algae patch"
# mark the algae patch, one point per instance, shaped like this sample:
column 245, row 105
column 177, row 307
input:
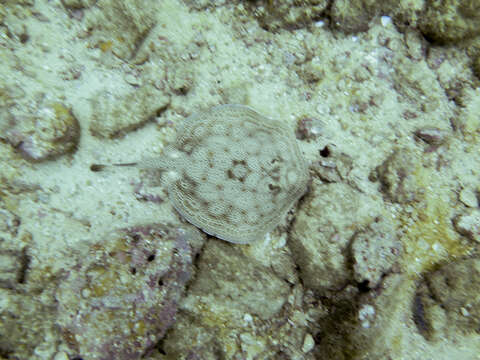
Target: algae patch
column 429, row 237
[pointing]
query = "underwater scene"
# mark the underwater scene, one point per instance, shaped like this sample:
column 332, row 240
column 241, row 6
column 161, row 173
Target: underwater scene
column 243, row 179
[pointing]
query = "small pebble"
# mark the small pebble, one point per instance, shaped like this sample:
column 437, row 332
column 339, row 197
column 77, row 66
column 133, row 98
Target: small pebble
column 432, row 136
column 308, row 343
column 60, row 356
column 385, row 20
column 464, row 312
column 133, row 80
column 468, row 224
column 468, row 197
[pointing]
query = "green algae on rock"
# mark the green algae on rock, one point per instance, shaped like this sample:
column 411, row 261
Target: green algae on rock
column 451, row 20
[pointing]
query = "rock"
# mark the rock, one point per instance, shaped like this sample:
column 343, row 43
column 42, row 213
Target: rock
column 9, row 223
column 476, row 65
column 26, row 324
column 289, row 14
column 77, row 4
column 308, row 343
column 468, row 120
column 227, row 279
column 406, row 13
column 451, row 20
column 352, row 16
column 333, row 166
column 45, row 133
column 203, row 4
column 237, row 307
column 14, row 258
column 415, row 80
column 13, row 265
column 61, row 355
column 329, row 217
column 449, row 296
column 397, row 177
column 381, row 319
column 309, row 128
column 374, row 252
column 468, row 196
column 120, row 26
column 431, row 135
column 181, row 78
column 468, row 224
column 373, row 325
column 118, row 301
column 116, row 113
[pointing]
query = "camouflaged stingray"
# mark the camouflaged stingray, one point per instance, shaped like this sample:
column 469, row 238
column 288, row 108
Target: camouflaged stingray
column 236, row 172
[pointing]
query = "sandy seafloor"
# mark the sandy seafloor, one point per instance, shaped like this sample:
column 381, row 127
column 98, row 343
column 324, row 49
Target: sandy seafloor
column 388, row 122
